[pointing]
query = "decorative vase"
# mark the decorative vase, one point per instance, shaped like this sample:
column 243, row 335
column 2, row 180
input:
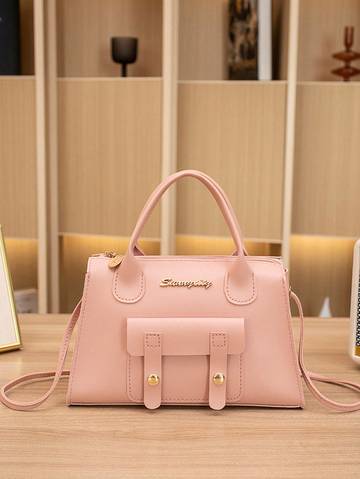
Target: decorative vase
column 124, row 51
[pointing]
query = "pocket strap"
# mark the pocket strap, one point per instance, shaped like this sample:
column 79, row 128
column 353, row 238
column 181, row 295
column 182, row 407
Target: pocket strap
column 152, row 370
column 218, row 370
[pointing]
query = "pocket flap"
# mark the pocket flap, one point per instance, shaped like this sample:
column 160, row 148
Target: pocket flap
column 185, row 336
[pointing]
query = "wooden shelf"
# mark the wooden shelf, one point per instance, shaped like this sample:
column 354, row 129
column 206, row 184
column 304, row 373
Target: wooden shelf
column 18, row 157
column 321, row 267
column 232, row 82
column 111, row 79
column 109, row 154
column 203, row 39
column 235, row 133
column 85, row 29
column 210, row 245
column 327, row 167
column 17, row 77
column 22, row 261
column 325, row 83
column 321, row 33
column 107, row 141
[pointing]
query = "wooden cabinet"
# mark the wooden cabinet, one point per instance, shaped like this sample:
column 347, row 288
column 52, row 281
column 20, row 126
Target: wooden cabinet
column 82, row 148
column 233, row 131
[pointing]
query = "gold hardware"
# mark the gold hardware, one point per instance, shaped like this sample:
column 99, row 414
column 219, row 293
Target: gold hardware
column 115, row 261
column 110, row 254
column 186, row 284
column 357, row 350
column 218, row 379
column 153, row 379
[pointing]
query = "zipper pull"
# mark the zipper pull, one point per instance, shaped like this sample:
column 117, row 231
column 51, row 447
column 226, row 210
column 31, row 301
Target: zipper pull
column 110, row 254
column 114, row 258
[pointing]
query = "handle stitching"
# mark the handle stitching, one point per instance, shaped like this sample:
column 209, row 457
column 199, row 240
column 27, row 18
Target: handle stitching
column 128, row 300
column 222, row 336
column 234, row 300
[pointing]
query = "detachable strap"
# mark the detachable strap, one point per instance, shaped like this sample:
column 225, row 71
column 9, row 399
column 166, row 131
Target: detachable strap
column 309, row 377
column 56, row 375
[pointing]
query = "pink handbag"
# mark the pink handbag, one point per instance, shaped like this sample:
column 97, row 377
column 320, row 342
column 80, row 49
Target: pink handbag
column 184, row 330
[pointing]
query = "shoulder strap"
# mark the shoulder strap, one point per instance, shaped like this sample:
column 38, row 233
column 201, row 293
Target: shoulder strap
column 56, row 375
column 309, row 377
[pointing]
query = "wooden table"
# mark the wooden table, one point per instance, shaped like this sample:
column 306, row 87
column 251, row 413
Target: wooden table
column 131, row 442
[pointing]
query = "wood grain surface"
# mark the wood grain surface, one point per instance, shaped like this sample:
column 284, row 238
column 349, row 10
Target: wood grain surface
column 22, row 261
column 203, row 39
column 233, row 131
column 86, row 27
column 321, row 33
column 321, row 267
column 109, row 154
column 327, row 168
column 18, row 157
column 131, row 442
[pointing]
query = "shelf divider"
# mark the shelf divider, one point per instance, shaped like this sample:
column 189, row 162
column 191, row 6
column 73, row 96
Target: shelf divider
column 290, row 129
column 169, row 120
column 42, row 223
column 52, row 155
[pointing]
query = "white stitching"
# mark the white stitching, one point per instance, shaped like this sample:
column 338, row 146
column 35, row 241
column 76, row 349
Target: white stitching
column 128, row 300
column 224, row 338
column 232, row 299
column 149, row 336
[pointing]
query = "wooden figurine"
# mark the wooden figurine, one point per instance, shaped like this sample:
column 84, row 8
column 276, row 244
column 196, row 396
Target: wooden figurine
column 347, row 56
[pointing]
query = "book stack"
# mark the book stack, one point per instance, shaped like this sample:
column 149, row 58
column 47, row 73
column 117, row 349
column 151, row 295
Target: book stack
column 250, row 45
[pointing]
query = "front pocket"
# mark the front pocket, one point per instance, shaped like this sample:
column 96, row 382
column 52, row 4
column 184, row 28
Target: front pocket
column 189, row 352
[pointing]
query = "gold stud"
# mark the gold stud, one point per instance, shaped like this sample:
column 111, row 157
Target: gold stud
column 153, row 380
column 218, row 379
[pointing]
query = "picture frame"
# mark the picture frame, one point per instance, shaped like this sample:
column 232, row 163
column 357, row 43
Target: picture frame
column 10, row 337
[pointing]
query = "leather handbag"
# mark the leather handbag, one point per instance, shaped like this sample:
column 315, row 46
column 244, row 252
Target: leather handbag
column 184, row 330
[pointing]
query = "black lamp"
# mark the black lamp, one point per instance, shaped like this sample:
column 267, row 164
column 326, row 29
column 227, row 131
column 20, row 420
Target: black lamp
column 124, row 51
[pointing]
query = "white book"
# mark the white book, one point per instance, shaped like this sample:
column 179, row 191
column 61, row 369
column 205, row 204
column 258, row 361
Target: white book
column 264, row 40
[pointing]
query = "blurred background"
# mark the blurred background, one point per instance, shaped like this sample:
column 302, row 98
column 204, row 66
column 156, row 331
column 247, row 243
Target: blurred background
column 243, row 90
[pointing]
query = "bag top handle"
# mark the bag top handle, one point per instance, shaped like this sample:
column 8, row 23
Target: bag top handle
column 216, row 191
column 239, row 281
